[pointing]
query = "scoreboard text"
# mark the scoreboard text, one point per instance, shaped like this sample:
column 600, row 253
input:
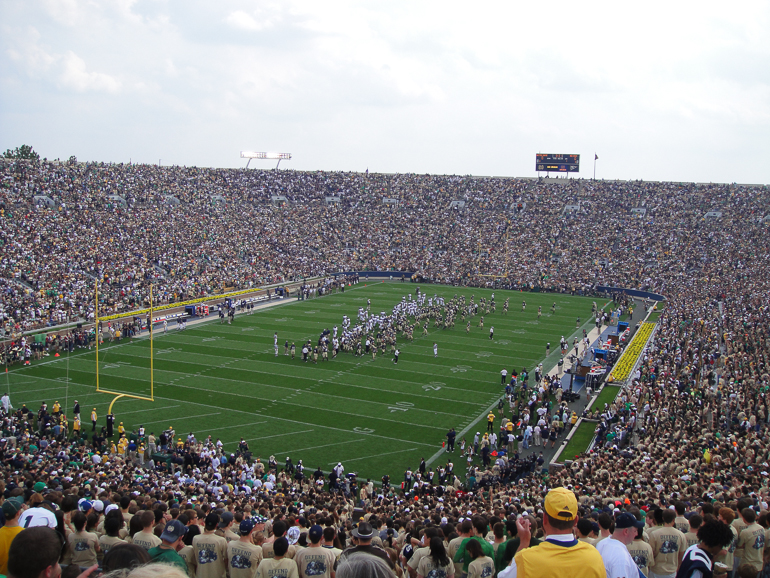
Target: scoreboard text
column 557, row 163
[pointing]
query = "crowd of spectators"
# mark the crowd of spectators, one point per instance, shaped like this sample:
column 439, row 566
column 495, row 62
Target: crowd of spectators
column 696, row 411
column 195, row 232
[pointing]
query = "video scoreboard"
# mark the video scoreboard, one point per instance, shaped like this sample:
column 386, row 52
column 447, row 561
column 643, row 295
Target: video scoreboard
column 545, row 163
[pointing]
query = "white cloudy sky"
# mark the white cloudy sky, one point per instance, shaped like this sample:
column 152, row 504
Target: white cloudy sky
column 659, row 90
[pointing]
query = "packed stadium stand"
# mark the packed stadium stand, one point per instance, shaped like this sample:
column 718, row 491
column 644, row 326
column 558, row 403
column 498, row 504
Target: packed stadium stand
column 197, row 232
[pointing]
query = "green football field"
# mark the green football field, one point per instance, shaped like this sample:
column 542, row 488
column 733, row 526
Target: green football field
column 374, row 416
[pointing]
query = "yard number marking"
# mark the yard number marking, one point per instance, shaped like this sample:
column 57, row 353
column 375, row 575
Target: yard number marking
column 400, row 406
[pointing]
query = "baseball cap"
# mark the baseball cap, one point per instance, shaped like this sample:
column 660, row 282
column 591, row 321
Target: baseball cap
column 227, row 518
column 173, row 531
column 292, row 535
column 246, row 527
column 110, row 508
column 85, row 505
column 39, row 487
column 363, row 531
column 11, row 506
column 560, row 503
column 627, row 520
column 212, row 520
column 98, row 505
column 315, row 533
column 37, row 517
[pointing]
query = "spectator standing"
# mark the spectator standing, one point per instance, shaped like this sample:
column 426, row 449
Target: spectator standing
column 641, row 552
column 362, row 540
column 698, row 560
column 751, row 540
column 614, row 550
column 210, row 550
column 243, row 556
column 560, row 554
column 12, row 508
column 46, row 543
column 171, row 542
column 279, row 564
column 668, row 546
column 146, row 538
column 315, row 560
column 83, row 545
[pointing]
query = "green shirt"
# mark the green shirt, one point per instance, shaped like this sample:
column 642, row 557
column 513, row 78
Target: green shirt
column 168, row 556
column 462, row 556
column 500, row 564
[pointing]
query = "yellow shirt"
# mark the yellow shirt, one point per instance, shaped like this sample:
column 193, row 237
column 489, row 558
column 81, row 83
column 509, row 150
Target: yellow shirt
column 7, row 534
column 548, row 560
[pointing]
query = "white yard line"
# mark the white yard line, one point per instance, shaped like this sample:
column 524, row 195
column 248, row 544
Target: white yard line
column 289, row 433
column 122, row 413
column 289, row 452
column 187, row 417
column 243, row 425
column 237, row 381
column 374, row 456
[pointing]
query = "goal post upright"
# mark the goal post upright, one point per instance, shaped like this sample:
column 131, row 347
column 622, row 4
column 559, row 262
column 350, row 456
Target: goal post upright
column 96, row 329
column 152, row 370
column 96, row 335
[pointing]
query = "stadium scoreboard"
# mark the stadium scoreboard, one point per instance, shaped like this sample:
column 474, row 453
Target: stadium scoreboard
column 557, row 163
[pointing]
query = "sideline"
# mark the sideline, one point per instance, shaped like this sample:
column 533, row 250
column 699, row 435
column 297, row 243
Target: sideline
column 493, row 406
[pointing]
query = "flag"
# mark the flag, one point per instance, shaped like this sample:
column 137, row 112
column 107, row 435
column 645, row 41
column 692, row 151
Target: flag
column 596, row 157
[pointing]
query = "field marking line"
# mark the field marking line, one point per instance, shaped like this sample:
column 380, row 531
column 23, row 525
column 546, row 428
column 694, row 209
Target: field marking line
column 122, row 413
column 159, row 334
column 69, row 356
column 335, row 373
column 188, row 417
column 344, row 430
column 352, row 367
column 373, row 456
column 63, row 386
column 48, row 399
column 317, row 408
column 289, row 452
column 269, row 417
column 293, row 390
column 236, row 425
column 289, row 433
column 494, row 404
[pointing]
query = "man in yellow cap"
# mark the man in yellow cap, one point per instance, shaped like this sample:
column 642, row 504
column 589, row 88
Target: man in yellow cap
column 93, row 419
column 560, row 554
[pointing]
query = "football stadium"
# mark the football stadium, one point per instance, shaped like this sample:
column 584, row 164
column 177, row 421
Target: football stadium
column 358, row 359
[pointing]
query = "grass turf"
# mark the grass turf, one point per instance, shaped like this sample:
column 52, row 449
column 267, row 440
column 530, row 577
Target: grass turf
column 579, row 441
column 374, row 416
column 606, row 395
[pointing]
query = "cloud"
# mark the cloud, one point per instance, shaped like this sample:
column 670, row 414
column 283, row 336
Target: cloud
column 242, row 20
column 262, row 20
column 75, row 76
column 439, row 86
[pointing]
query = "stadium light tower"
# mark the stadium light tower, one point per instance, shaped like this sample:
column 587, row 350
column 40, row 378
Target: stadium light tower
column 270, row 156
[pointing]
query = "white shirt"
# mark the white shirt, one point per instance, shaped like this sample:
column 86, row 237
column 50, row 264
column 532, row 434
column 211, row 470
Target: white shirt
column 617, row 561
